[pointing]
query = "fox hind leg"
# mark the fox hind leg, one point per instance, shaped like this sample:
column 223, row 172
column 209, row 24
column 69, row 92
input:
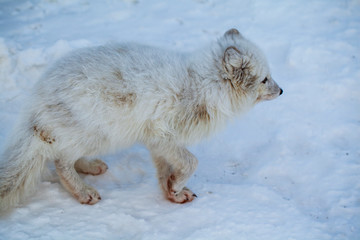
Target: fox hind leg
column 72, row 182
column 93, row 167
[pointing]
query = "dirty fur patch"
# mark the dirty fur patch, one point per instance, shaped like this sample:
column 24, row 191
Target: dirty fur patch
column 44, row 135
column 120, row 99
column 199, row 115
column 118, row 75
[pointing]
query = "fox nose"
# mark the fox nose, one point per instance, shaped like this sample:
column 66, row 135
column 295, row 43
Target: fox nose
column 281, row 91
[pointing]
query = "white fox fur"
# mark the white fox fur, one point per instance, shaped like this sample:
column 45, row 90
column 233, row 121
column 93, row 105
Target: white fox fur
column 99, row 99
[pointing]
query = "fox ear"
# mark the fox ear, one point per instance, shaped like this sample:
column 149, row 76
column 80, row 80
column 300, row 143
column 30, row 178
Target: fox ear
column 233, row 32
column 234, row 61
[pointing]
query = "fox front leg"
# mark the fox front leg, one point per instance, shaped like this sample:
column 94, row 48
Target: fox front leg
column 175, row 165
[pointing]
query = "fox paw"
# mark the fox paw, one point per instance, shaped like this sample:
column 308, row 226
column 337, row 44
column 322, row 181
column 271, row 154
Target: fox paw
column 185, row 195
column 94, row 167
column 88, row 195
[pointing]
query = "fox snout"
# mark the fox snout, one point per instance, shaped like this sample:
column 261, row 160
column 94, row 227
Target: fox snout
column 268, row 90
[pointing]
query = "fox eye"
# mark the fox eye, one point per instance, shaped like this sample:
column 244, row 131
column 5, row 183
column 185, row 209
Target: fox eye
column 265, row 80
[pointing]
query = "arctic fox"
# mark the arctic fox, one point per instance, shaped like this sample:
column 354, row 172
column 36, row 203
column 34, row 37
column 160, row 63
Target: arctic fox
column 99, row 99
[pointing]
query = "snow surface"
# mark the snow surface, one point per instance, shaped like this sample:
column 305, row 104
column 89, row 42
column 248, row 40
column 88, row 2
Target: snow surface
column 289, row 169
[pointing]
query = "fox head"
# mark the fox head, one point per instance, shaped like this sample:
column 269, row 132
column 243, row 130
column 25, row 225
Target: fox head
column 246, row 69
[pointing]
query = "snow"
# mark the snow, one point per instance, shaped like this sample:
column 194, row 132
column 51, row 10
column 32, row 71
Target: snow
column 289, row 169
